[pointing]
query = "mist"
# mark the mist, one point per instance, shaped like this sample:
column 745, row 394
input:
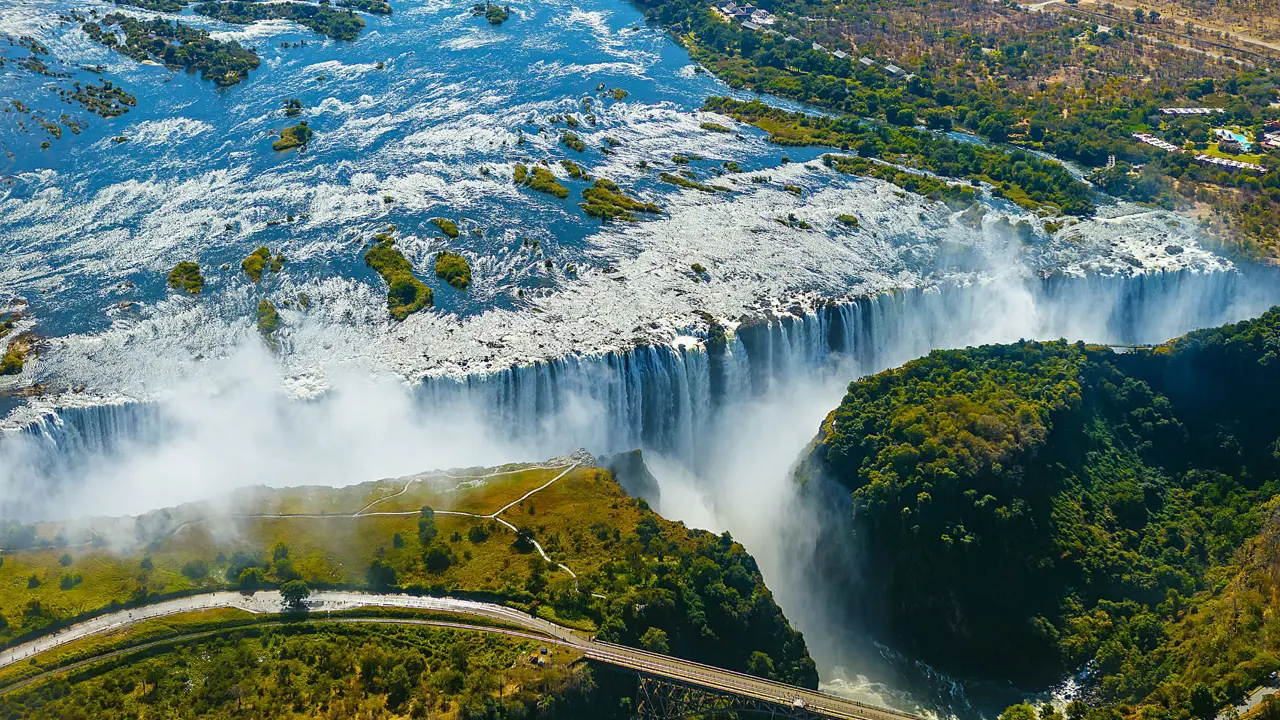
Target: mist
column 723, row 462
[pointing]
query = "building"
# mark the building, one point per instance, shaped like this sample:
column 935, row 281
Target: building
column 750, row 25
column 1190, row 111
column 893, row 69
column 867, row 61
column 818, row 47
column 1228, row 139
column 763, row 17
column 841, row 54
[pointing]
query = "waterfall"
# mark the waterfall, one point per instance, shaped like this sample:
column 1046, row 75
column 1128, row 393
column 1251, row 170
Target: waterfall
column 663, row 398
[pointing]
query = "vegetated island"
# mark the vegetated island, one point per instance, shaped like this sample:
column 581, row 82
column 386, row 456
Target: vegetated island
column 540, row 179
column 1124, row 507
column 605, row 200
column 16, row 349
column 573, row 142
column 260, row 261
column 454, row 269
column 406, row 294
column 447, row 226
column 294, row 136
column 637, row 579
column 186, row 277
column 684, row 182
column 376, row 7
column 1029, row 181
column 1134, row 98
column 176, row 45
column 268, row 319
column 496, row 14
column 323, row 19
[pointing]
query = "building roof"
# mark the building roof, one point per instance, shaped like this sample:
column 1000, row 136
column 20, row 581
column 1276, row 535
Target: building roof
column 841, row 54
column 893, row 69
column 816, row 46
column 867, row 61
column 750, row 25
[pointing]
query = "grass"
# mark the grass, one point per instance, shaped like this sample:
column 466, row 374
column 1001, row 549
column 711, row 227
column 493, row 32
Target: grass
column 337, row 550
column 715, row 127
column 406, row 294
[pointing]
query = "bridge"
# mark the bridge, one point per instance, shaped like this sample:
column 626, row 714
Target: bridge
column 668, row 687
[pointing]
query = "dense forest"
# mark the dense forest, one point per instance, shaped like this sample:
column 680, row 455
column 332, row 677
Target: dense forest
column 1058, row 82
column 1038, row 508
column 331, row 671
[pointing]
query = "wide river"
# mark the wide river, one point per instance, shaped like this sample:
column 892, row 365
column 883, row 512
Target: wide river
column 425, row 115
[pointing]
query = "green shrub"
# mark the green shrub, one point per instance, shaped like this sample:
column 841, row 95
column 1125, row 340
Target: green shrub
column 268, row 318
column 540, row 179
column 448, row 227
column 453, row 269
column 292, row 137
column 256, row 263
column 406, row 294
column 573, row 142
column 186, row 276
column 605, row 200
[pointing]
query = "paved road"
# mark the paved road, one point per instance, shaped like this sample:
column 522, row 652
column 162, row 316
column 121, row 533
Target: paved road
column 653, row 664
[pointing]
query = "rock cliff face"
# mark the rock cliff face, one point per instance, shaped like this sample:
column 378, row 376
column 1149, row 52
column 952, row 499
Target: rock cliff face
column 1023, row 510
column 633, row 475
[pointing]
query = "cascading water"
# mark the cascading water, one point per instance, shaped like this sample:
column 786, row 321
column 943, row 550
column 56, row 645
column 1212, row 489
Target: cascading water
column 665, row 398
column 725, row 420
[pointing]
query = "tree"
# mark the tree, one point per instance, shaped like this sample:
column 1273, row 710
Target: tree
column 437, row 558
column 146, row 563
column 1203, row 704
column 65, row 560
column 760, row 665
column 1021, row 711
column 655, row 640
column 427, row 529
column 381, row 576
column 250, row 579
column 524, row 540
column 295, row 594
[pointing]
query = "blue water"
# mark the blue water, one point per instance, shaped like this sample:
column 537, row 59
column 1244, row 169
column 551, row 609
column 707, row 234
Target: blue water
column 199, row 180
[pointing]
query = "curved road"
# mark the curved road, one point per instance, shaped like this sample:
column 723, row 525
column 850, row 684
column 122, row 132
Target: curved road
column 653, row 664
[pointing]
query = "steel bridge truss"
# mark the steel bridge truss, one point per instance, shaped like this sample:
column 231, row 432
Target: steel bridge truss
column 664, row 699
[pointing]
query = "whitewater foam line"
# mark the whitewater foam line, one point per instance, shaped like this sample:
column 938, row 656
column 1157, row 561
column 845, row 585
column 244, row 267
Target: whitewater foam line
column 661, row 397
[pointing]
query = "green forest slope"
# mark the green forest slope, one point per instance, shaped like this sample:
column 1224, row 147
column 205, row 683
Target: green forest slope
column 1030, row 509
column 641, row 580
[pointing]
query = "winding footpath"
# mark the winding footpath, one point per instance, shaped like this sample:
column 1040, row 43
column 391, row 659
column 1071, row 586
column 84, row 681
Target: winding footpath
column 519, row 624
column 365, row 512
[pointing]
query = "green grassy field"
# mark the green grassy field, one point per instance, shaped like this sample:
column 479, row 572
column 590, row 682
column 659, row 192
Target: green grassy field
column 48, row 585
